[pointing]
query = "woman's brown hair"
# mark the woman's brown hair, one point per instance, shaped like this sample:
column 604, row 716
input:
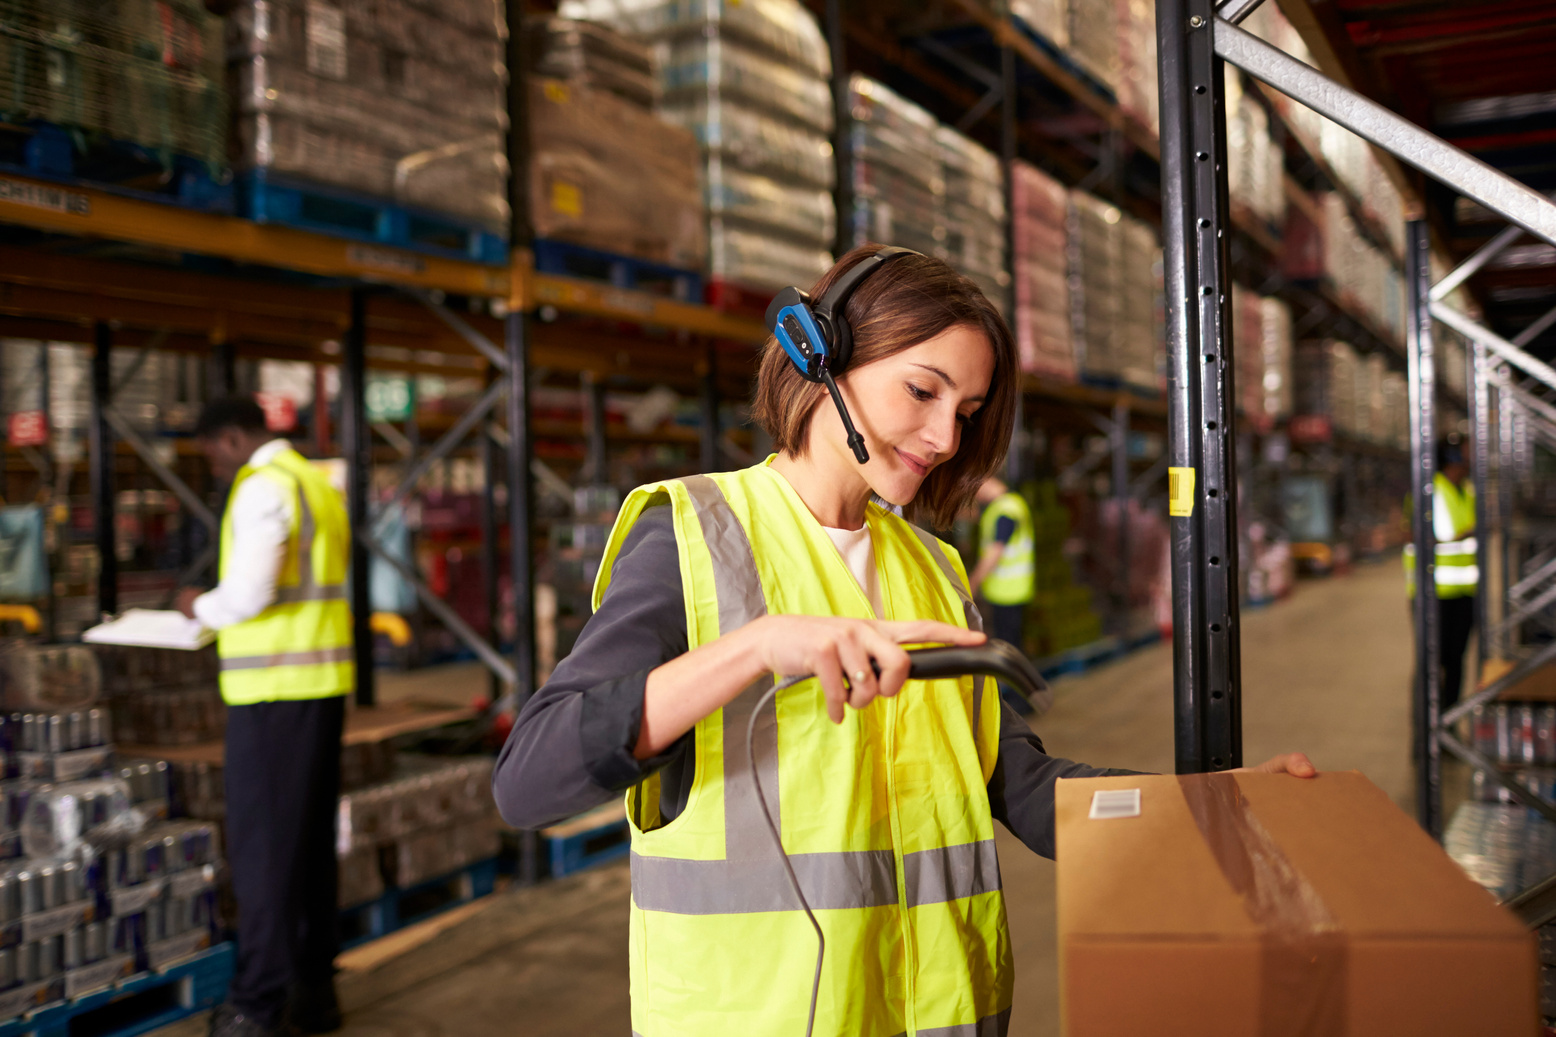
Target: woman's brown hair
column 907, row 301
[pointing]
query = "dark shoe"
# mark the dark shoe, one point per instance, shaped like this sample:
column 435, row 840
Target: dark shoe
column 227, row 1021
column 314, row 1008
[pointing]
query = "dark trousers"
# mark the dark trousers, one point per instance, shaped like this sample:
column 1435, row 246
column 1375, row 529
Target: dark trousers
column 283, row 784
column 1006, row 623
column 1456, row 621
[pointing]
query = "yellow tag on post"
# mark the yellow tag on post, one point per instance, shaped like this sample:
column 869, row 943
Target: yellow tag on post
column 1180, row 492
column 566, row 199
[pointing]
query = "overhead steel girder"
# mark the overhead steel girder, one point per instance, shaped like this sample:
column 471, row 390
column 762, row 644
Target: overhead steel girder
column 1470, row 328
column 1400, row 137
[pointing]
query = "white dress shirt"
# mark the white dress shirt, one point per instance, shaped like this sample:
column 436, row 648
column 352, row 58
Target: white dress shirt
column 261, row 524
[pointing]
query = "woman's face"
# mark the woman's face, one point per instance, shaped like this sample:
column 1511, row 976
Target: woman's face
column 911, row 407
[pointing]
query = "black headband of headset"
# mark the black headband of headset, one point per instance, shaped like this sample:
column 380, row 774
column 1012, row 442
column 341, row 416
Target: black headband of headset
column 831, row 303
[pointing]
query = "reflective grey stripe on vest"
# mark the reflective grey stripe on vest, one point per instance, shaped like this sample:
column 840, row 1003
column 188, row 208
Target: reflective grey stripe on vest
column 951, row 872
column 969, row 609
column 997, row 1025
column 306, row 588
column 310, row 658
column 830, row 881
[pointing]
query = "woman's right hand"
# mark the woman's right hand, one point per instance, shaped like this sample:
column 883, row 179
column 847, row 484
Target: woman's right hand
column 839, row 652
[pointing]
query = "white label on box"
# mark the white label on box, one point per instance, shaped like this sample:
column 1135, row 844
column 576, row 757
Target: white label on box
column 56, row 921
column 96, row 976
column 1107, row 804
column 77, row 764
column 195, row 880
column 22, row 999
column 130, row 899
column 176, row 948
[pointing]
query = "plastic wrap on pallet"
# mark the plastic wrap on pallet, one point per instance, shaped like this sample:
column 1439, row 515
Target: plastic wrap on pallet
column 582, row 143
column 1042, row 321
column 428, row 793
column 360, row 877
column 147, row 72
column 1095, row 242
column 591, row 55
column 1138, row 95
column 1275, row 347
column 898, row 173
column 413, row 859
column 1255, row 165
column 1504, row 847
column 397, row 101
column 1094, row 36
column 750, row 81
column 974, row 242
column 1140, row 348
column 1050, row 19
column 49, row 677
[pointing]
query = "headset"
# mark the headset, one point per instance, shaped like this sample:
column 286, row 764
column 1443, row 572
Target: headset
column 817, row 337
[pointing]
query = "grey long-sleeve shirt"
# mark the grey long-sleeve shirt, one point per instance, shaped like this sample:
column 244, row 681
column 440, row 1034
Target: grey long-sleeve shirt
column 571, row 747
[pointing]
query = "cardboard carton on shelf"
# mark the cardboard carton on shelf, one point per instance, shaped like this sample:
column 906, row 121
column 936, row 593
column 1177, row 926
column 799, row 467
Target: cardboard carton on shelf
column 1539, row 686
column 1257, row 904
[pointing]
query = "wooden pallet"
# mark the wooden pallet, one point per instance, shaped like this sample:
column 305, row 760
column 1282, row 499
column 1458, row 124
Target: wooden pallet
column 587, row 840
column 264, row 198
column 568, row 260
column 398, row 908
column 135, row 1004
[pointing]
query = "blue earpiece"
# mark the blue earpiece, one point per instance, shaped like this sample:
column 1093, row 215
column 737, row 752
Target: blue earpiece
column 816, row 336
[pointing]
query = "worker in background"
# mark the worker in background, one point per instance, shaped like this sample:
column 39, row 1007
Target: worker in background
column 1004, row 575
column 284, row 639
column 1457, row 572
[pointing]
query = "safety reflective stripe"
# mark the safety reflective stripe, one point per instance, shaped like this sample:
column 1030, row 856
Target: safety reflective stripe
column 1457, row 575
column 739, row 590
column 306, row 589
column 997, row 1025
column 951, row 872
column 1467, row 546
column 969, row 609
column 309, row 658
column 830, row 881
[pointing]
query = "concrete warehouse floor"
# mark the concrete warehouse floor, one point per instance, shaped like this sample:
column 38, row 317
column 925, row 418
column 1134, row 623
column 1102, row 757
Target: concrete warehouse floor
column 1326, row 671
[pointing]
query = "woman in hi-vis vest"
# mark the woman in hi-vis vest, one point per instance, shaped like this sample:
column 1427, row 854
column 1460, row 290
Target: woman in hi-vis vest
column 884, row 791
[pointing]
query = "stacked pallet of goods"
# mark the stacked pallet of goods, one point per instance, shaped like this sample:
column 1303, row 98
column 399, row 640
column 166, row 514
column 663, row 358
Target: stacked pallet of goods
column 750, row 81
column 1042, row 321
column 98, row 86
column 97, row 883
column 591, row 108
column 1256, row 165
column 1061, row 615
column 1115, row 295
column 974, row 214
column 899, row 180
column 397, row 101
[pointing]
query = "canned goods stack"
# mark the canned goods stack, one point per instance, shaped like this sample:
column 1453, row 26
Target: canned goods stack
column 56, row 746
column 1503, row 847
column 162, row 696
column 157, row 890
column 434, row 818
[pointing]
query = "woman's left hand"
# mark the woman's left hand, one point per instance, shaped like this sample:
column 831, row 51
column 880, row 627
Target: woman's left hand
column 1295, row 764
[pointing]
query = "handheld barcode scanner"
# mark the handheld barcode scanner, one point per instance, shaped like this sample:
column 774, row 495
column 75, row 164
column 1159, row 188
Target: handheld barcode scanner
column 997, row 659
column 817, row 337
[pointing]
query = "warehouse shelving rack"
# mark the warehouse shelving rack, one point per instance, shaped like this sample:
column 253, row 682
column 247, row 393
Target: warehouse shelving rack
column 1195, row 38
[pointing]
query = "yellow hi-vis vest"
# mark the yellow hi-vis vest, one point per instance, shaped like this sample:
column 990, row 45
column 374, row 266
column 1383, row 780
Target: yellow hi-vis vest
column 1456, row 570
column 299, row 647
column 1011, row 582
column 885, row 816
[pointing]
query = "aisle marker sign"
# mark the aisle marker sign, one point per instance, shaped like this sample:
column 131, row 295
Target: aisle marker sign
column 1180, row 492
column 27, row 428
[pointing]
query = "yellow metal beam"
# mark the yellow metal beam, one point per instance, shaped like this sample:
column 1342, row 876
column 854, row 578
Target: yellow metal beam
column 591, row 298
column 99, row 214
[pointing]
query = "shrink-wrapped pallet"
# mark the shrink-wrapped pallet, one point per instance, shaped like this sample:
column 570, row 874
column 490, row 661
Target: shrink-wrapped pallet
column 1094, row 39
column 1139, row 348
column 974, row 214
column 1095, row 247
column 898, row 176
column 1042, row 318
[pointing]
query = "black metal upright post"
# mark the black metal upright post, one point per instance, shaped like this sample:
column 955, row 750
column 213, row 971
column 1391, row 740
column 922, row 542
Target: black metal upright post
column 1008, row 114
column 357, row 444
column 45, row 383
column 1505, row 484
column 709, row 439
column 490, row 476
column 1422, row 373
column 102, row 464
column 1207, row 679
column 1119, row 442
column 1479, row 406
column 842, row 130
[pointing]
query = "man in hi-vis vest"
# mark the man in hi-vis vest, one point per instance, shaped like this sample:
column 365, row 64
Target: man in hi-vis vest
column 284, row 640
column 1457, row 573
column 1005, row 574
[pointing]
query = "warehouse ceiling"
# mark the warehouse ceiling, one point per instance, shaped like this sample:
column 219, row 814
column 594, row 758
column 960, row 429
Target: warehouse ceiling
column 1482, row 75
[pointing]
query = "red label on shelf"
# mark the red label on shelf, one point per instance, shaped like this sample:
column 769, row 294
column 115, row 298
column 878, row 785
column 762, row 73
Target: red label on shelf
column 1311, row 428
column 280, row 411
column 27, row 428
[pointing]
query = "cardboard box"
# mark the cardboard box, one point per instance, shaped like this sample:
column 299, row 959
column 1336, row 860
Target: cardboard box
column 1272, row 906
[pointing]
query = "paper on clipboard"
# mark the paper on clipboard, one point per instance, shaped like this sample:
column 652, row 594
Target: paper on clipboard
column 151, row 628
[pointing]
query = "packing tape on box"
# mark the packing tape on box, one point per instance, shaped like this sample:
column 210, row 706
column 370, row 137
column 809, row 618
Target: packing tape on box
column 1303, row 959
